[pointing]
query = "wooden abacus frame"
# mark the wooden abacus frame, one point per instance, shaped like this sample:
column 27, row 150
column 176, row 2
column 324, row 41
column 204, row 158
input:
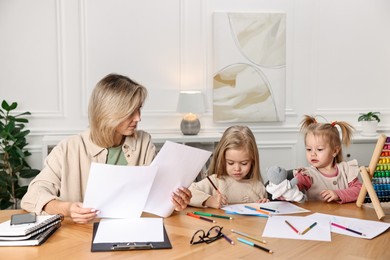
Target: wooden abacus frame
column 367, row 174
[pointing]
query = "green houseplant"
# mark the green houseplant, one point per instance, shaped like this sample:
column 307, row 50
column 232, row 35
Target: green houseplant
column 369, row 123
column 13, row 165
column 370, row 116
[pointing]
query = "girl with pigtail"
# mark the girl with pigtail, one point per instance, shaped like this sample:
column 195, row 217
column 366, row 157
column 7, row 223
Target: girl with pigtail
column 328, row 178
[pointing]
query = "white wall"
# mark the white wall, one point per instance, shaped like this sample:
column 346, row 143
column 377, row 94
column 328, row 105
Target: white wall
column 53, row 52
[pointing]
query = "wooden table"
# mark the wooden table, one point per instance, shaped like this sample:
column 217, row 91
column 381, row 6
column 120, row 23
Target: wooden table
column 73, row 241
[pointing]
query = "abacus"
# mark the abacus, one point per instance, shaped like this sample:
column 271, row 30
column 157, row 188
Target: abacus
column 376, row 178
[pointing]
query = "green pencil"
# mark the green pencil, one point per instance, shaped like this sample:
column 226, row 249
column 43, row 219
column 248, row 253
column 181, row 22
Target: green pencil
column 211, row 215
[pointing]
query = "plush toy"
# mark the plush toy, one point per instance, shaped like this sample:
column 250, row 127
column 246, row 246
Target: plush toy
column 282, row 188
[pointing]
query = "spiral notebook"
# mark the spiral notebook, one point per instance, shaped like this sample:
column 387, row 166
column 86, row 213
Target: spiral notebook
column 34, row 240
column 8, row 232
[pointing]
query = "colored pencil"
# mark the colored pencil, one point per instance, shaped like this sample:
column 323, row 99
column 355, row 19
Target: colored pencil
column 310, row 227
column 212, row 183
column 254, row 245
column 226, row 238
column 258, row 210
column 291, row 226
column 200, row 217
column 248, row 236
column 268, row 209
column 211, row 215
column 348, row 229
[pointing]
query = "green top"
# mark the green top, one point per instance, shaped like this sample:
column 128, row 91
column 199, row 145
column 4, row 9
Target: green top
column 116, row 156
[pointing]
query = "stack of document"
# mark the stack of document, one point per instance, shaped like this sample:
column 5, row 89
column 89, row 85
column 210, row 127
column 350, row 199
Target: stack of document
column 131, row 190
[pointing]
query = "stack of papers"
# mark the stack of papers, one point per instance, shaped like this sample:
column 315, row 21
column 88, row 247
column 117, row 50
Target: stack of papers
column 130, row 190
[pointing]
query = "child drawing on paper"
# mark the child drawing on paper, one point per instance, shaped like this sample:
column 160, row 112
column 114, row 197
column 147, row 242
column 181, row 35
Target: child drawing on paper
column 234, row 171
column 328, row 178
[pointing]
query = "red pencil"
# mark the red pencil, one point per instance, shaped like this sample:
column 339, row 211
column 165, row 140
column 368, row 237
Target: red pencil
column 200, row 217
column 291, row 226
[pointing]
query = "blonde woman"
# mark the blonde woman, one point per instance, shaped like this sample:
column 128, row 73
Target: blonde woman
column 114, row 112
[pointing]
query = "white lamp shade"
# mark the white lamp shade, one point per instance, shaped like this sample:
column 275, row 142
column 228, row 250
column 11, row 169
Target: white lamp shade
column 191, row 102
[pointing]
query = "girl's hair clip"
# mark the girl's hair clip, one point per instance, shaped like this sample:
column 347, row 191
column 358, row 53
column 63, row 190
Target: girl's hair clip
column 334, row 123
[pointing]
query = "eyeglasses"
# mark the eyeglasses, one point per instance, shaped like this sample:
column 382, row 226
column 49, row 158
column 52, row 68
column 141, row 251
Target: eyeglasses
column 212, row 235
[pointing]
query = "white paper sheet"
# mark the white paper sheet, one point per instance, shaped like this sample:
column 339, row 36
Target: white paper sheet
column 370, row 228
column 280, row 207
column 277, row 227
column 118, row 191
column 130, row 230
column 178, row 165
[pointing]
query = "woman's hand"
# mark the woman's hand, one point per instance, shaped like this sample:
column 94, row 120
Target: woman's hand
column 81, row 215
column 216, row 201
column 74, row 210
column 181, row 198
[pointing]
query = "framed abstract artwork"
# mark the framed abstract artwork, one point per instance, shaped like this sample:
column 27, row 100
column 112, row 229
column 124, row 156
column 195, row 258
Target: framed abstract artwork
column 249, row 67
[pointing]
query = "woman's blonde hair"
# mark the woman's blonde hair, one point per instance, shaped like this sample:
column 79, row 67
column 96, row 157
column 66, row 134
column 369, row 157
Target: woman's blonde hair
column 236, row 137
column 329, row 132
column 114, row 98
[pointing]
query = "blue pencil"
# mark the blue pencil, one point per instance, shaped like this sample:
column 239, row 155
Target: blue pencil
column 254, row 245
column 272, row 210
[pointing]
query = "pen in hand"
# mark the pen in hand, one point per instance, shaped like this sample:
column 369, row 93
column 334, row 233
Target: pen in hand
column 212, row 183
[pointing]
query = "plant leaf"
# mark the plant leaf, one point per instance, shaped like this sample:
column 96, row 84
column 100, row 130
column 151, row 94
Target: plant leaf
column 28, row 173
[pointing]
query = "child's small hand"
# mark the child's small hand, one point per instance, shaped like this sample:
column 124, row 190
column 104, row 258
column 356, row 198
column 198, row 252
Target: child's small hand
column 329, row 195
column 263, row 200
column 216, row 201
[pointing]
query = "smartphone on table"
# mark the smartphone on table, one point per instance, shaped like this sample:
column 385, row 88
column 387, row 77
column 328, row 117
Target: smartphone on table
column 23, row 219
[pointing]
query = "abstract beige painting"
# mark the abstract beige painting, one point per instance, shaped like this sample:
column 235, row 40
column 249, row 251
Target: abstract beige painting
column 249, row 62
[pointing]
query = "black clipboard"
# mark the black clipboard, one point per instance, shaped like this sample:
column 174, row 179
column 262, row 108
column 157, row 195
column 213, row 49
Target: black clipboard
column 104, row 247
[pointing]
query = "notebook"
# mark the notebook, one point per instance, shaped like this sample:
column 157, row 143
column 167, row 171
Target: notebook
column 34, row 240
column 8, row 232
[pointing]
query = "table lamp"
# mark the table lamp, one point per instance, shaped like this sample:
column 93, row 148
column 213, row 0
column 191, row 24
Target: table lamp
column 190, row 103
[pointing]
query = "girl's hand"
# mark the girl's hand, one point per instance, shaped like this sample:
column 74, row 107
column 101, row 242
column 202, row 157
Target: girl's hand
column 263, row 200
column 329, row 195
column 181, row 198
column 81, row 215
column 216, row 201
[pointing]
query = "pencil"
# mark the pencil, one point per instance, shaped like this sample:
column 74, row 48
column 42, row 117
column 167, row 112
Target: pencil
column 268, row 209
column 200, row 217
column 291, row 226
column 310, row 227
column 212, row 183
column 348, row 229
column 226, row 238
column 211, row 215
column 258, row 210
column 254, row 245
column 248, row 236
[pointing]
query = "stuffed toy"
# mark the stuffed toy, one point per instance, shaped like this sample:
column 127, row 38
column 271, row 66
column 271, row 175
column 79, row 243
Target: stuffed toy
column 282, row 188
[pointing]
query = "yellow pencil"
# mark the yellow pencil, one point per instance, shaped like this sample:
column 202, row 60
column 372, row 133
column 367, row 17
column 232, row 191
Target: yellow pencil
column 248, row 236
column 307, row 229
